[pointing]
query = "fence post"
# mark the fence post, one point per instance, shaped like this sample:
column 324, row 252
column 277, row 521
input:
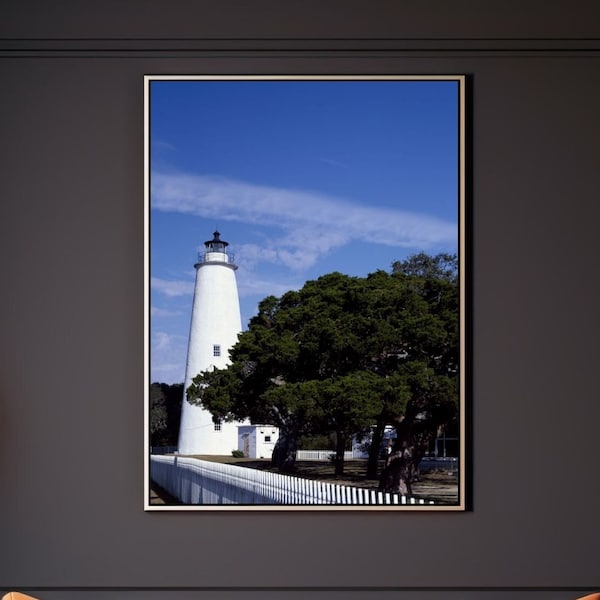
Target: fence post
column 195, row 481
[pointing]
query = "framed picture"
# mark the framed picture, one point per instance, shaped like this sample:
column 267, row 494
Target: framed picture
column 305, row 273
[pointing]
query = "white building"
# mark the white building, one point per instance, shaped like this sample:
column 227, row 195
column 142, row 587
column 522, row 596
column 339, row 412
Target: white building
column 214, row 329
column 257, row 441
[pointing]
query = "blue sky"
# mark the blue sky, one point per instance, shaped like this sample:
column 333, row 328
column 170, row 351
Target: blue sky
column 302, row 178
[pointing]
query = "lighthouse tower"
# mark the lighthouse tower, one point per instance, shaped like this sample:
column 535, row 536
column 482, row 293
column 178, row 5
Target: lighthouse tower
column 214, row 329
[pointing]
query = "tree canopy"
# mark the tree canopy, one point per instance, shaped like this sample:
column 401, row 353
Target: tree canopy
column 349, row 355
column 165, row 411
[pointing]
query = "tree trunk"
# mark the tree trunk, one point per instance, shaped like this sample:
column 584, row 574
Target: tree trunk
column 397, row 476
column 375, row 449
column 340, row 449
column 284, row 453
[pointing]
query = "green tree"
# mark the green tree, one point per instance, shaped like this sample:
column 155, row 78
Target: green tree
column 429, row 365
column 349, row 405
column 165, row 412
column 298, row 367
column 158, row 413
column 346, row 354
column 432, row 268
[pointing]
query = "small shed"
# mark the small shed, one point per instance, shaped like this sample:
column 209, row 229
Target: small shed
column 257, row 441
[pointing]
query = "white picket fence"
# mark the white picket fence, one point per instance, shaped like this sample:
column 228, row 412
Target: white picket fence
column 195, row 481
column 321, row 454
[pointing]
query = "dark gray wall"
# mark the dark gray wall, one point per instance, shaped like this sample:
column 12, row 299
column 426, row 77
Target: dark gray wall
column 71, row 326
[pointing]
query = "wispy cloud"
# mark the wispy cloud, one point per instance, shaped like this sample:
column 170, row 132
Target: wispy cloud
column 162, row 145
column 311, row 223
column 172, row 288
column 168, row 353
column 162, row 341
column 163, row 312
column 249, row 285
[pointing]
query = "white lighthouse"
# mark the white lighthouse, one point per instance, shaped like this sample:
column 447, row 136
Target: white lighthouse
column 214, row 329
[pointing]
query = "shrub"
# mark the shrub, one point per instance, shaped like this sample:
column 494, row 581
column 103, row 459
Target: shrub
column 237, row 454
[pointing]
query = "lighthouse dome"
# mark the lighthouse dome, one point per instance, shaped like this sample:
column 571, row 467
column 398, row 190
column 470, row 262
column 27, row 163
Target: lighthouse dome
column 216, row 251
column 216, row 244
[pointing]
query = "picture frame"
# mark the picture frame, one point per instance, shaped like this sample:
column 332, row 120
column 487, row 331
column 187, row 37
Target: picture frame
column 273, row 160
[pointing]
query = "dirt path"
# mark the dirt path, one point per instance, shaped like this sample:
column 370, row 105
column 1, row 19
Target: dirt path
column 158, row 496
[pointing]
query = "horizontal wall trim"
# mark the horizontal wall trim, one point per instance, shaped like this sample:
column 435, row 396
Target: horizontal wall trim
column 92, row 44
column 287, row 54
column 308, row 588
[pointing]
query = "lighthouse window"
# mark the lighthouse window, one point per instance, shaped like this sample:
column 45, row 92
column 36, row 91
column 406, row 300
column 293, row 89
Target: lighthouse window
column 216, row 350
column 217, row 425
column 267, row 438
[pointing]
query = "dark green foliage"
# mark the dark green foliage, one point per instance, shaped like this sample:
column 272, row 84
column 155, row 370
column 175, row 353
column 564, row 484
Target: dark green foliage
column 237, row 454
column 165, row 413
column 346, row 354
column 441, row 267
column 323, row 441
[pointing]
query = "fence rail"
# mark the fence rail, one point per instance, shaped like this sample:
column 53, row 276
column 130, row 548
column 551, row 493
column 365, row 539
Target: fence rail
column 195, row 481
column 321, row 454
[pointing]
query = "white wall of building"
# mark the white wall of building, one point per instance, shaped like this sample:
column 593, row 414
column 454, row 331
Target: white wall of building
column 215, row 322
column 257, row 441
